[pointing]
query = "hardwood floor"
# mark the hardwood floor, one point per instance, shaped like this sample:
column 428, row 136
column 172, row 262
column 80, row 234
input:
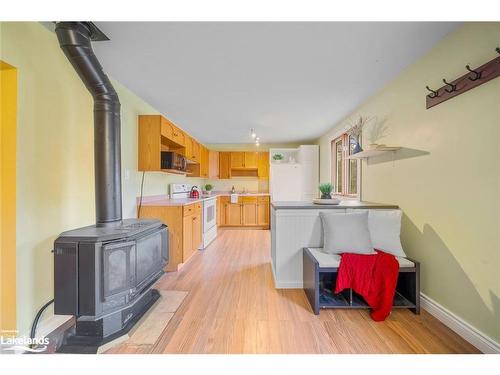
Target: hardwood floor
column 233, row 307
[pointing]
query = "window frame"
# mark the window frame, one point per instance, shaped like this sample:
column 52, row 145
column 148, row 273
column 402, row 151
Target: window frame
column 345, row 165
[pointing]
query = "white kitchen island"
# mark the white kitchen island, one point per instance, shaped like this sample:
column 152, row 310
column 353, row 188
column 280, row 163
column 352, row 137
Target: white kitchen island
column 295, row 225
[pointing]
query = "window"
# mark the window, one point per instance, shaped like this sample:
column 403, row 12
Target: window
column 345, row 171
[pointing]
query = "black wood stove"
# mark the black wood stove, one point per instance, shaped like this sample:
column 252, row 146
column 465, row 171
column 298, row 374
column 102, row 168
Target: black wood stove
column 103, row 273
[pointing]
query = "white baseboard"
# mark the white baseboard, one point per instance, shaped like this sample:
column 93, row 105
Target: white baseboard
column 470, row 334
column 285, row 284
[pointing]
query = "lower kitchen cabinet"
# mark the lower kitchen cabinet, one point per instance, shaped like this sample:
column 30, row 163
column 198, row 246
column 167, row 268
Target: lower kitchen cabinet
column 250, row 211
column 184, row 230
column 263, row 214
column 233, row 215
column 191, row 236
column 249, row 215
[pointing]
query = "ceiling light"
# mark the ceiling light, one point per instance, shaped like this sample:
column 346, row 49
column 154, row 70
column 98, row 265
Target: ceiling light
column 252, row 133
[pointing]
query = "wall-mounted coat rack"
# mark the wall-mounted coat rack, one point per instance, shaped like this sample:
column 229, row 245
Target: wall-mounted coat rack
column 471, row 79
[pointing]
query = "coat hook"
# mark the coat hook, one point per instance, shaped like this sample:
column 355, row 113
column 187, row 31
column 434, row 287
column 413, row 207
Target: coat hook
column 453, row 87
column 498, row 51
column 434, row 94
column 477, row 75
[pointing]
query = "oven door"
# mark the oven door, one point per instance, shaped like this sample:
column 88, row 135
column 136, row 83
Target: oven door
column 209, row 214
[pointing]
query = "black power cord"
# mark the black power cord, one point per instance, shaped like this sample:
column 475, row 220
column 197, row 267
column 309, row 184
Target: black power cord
column 140, row 200
column 37, row 318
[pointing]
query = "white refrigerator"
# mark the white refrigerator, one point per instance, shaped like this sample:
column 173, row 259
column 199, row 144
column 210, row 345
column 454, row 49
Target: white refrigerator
column 297, row 180
column 285, row 182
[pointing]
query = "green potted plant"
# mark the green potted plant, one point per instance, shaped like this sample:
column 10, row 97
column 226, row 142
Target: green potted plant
column 278, row 158
column 208, row 188
column 326, row 190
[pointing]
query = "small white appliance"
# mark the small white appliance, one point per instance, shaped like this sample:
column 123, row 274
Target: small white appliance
column 209, row 220
column 296, row 177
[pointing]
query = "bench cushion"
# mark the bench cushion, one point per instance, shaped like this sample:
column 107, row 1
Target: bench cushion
column 333, row 260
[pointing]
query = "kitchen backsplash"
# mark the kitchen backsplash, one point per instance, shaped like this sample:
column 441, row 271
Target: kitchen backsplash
column 243, row 183
column 157, row 183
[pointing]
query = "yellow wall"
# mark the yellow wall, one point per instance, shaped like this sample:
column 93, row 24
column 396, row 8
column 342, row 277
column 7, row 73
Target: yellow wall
column 451, row 194
column 55, row 167
column 8, row 112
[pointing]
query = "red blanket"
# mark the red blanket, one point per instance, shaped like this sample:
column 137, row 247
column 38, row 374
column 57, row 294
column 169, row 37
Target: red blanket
column 372, row 276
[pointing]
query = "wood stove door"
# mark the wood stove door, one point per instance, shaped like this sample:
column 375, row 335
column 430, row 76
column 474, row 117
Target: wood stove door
column 152, row 251
column 118, row 268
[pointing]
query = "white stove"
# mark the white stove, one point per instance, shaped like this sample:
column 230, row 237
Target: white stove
column 209, row 226
column 178, row 191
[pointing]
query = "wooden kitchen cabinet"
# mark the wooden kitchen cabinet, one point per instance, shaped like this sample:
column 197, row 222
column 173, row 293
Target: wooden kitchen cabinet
column 184, row 229
column 263, row 214
column 263, row 165
column 188, row 147
column 157, row 134
column 224, row 165
column 187, row 237
column 218, row 219
column 251, row 160
column 204, row 161
column 237, row 160
column 196, row 150
column 199, row 157
column 250, row 211
column 192, row 149
column 244, row 160
column 178, row 135
column 191, row 237
column 233, row 214
column 213, row 164
column 167, row 128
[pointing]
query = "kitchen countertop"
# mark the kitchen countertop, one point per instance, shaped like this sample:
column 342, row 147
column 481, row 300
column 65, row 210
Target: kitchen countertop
column 342, row 205
column 165, row 200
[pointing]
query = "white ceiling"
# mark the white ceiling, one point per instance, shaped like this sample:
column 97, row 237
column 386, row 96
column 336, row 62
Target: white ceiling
column 289, row 81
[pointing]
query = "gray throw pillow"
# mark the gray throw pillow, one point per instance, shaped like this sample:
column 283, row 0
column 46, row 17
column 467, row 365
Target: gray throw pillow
column 346, row 233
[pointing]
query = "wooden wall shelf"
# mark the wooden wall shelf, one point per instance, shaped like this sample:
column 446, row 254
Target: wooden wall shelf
column 372, row 153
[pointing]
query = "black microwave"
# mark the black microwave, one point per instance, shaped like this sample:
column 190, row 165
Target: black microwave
column 173, row 160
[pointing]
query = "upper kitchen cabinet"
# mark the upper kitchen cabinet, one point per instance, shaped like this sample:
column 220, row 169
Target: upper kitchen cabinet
column 224, row 165
column 251, row 160
column 237, row 160
column 199, row 161
column 157, row 134
column 213, row 164
column 204, row 162
column 171, row 132
column 244, row 160
column 192, row 148
column 263, row 165
column 243, row 164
